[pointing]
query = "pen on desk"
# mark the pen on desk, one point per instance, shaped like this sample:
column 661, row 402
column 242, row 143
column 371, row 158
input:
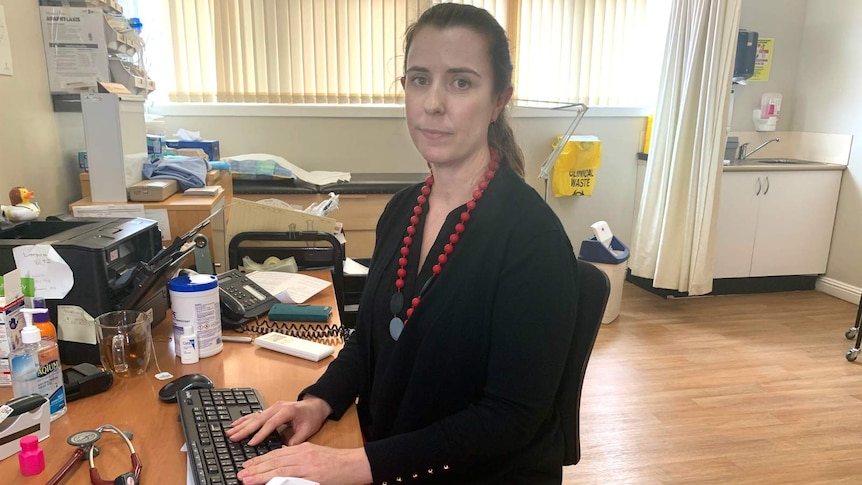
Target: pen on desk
column 228, row 338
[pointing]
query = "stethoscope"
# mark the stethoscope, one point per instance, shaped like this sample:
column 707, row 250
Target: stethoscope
column 84, row 442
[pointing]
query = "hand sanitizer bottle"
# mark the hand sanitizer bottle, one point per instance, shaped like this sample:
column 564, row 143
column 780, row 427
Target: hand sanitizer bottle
column 36, row 366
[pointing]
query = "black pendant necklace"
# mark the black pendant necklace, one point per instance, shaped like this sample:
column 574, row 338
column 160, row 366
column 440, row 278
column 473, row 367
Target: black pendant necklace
column 396, row 303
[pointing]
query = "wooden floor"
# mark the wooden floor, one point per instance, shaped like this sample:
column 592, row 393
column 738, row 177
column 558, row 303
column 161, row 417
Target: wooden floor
column 731, row 389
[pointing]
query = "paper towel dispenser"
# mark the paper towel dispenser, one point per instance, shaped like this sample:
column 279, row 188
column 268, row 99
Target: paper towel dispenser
column 746, row 53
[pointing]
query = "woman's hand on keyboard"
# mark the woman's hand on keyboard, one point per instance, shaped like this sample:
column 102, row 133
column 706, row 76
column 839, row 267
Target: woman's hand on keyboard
column 304, row 417
column 321, row 464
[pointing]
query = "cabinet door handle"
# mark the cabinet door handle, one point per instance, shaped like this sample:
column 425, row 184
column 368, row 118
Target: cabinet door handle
column 759, row 186
column 766, row 190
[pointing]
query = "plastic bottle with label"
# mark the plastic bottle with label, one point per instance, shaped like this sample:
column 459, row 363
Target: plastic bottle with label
column 196, row 314
column 42, row 320
column 36, row 366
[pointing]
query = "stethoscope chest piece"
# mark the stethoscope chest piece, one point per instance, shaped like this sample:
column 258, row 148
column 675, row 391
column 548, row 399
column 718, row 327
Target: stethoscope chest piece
column 84, row 438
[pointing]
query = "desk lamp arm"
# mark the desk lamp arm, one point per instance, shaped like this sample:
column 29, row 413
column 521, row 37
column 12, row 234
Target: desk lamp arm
column 548, row 165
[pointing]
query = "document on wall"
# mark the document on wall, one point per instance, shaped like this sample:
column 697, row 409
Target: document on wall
column 76, row 49
column 5, row 47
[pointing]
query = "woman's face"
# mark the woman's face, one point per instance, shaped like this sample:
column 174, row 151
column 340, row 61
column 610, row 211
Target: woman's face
column 449, row 96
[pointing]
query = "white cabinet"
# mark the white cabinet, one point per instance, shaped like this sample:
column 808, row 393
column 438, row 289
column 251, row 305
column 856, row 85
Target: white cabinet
column 775, row 223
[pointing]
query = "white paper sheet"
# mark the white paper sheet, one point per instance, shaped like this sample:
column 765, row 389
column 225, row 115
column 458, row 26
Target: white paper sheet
column 351, row 267
column 190, row 474
column 51, row 274
column 289, row 287
column 74, row 324
column 109, row 210
column 5, row 47
column 161, row 217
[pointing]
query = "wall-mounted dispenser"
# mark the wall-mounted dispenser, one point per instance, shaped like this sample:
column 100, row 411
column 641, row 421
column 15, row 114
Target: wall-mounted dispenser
column 746, row 53
column 766, row 117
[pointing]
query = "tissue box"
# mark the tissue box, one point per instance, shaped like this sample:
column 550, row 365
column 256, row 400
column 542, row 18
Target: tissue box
column 155, row 144
column 210, row 147
column 155, row 190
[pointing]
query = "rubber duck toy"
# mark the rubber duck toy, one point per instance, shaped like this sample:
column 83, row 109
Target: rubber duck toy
column 23, row 207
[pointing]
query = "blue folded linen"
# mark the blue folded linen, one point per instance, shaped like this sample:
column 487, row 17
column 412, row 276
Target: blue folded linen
column 187, row 171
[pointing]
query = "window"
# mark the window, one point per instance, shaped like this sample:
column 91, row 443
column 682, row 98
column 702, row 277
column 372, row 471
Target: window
column 600, row 52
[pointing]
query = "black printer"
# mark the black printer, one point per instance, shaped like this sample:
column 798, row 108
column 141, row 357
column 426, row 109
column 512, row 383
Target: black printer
column 105, row 256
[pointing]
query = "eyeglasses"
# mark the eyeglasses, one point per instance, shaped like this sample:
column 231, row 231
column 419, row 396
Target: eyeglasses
column 130, row 478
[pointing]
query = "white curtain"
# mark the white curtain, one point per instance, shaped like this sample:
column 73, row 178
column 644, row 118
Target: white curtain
column 673, row 242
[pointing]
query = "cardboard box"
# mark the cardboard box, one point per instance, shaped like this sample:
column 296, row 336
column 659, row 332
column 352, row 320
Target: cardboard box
column 153, row 190
column 11, row 321
column 210, row 147
column 5, row 372
column 246, row 216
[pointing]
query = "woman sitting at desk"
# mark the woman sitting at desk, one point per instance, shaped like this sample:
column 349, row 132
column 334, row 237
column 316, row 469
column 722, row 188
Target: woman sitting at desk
column 469, row 310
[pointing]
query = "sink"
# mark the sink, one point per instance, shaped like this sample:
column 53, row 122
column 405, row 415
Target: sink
column 776, row 161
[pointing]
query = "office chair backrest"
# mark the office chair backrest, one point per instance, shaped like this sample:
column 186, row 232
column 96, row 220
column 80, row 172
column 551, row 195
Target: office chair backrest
column 593, row 290
column 306, row 256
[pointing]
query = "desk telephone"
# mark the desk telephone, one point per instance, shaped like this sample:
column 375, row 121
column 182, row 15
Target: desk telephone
column 241, row 298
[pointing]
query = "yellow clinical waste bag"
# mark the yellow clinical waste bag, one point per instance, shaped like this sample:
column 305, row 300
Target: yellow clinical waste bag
column 576, row 166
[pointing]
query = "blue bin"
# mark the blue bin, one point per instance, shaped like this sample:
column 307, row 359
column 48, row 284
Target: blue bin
column 595, row 252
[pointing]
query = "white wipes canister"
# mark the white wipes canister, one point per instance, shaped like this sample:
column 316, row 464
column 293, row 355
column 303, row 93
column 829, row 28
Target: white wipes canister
column 195, row 303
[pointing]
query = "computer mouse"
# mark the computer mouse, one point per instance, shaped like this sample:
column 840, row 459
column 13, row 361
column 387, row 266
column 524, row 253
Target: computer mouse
column 168, row 392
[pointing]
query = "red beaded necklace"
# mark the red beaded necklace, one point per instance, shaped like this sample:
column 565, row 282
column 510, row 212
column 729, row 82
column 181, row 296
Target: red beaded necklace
column 396, row 325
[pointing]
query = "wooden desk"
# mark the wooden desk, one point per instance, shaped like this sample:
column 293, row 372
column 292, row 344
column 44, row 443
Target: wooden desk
column 132, row 404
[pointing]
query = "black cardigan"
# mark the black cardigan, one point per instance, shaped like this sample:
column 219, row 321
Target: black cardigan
column 467, row 393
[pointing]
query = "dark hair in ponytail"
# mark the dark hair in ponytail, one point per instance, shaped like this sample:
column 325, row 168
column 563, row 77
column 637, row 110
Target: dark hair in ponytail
column 447, row 15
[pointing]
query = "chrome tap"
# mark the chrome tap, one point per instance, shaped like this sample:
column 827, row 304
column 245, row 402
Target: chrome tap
column 743, row 153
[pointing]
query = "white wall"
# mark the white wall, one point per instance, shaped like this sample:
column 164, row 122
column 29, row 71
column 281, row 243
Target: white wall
column 829, row 100
column 29, row 141
column 781, row 20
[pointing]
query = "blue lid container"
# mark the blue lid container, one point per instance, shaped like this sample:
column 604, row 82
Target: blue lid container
column 187, row 283
column 595, row 252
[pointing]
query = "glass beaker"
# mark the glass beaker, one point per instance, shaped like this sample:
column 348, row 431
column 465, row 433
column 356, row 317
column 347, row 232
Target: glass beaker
column 125, row 341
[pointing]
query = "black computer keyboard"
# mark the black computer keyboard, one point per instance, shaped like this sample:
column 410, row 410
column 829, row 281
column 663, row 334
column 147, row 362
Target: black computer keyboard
column 205, row 415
